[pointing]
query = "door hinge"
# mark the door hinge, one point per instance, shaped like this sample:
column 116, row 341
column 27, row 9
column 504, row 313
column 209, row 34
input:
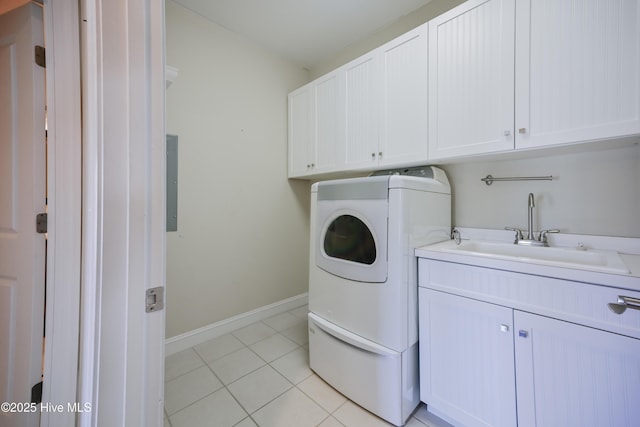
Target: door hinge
column 154, row 299
column 40, row 56
column 41, row 223
column 36, row 393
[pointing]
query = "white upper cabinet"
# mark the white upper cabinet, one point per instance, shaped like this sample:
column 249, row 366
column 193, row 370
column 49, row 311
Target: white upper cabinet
column 316, row 127
column 362, row 105
column 487, row 76
column 300, row 131
column 577, row 71
column 329, row 123
column 403, row 119
column 471, row 80
column 367, row 114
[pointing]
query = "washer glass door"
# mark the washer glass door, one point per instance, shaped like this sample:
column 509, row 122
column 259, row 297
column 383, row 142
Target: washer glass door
column 349, row 238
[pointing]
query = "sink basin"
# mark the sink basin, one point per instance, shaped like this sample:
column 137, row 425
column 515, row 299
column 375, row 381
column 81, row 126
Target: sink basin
column 582, row 259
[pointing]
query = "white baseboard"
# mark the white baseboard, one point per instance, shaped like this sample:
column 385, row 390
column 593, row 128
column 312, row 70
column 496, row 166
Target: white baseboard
column 205, row 333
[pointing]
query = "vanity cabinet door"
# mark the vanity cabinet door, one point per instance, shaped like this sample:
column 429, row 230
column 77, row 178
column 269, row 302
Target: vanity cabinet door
column 466, row 360
column 471, row 77
column 577, row 71
column 572, row 375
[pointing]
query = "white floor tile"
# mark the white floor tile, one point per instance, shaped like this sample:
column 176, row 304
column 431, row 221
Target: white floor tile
column 259, row 388
column 294, row 365
column 321, row 392
column 292, row 409
column 189, row 388
column 273, row 347
column 330, row 422
column 216, row 410
column 247, row 422
column 282, row 321
column 218, row 347
column 254, row 333
column 299, row 333
column 259, row 363
column 414, row 422
column 236, row 365
column 427, row 418
column 302, row 311
column 180, row 363
column 352, row 415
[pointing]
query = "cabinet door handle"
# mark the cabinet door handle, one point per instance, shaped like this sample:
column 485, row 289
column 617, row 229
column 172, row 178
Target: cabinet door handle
column 507, row 132
column 522, row 130
column 522, row 333
column 504, row 328
column 624, row 303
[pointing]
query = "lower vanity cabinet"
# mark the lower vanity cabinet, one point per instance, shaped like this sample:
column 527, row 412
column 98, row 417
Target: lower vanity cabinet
column 489, row 362
column 467, row 372
column 573, row 375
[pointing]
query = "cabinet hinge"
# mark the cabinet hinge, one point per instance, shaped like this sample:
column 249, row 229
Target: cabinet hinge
column 40, row 56
column 41, row 223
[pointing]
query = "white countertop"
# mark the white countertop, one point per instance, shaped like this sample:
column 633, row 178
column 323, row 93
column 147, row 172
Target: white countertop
column 628, row 249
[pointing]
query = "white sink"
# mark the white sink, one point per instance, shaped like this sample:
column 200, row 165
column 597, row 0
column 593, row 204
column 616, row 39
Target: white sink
column 577, row 258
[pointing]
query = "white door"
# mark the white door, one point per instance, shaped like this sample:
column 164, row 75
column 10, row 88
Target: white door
column 403, row 133
column 22, row 196
column 361, row 111
column 329, row 136
column 572, row 375
column 466, row 359
column 300, row 132
column 577, row 71
column 471, row 79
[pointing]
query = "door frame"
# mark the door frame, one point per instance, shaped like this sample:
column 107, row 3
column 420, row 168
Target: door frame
column 98, row 225
column 64, row 147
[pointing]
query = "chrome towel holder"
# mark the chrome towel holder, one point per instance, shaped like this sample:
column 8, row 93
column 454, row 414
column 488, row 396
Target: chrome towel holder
column 489, row 179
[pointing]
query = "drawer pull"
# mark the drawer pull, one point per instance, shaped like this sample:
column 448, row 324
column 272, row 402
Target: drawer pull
column 624, row 303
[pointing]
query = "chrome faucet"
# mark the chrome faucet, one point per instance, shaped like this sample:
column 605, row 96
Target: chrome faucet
column 531, row 238
column 531, row 205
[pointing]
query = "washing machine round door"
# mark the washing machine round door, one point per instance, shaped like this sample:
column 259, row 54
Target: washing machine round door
column 351, row 241
column 348, row 238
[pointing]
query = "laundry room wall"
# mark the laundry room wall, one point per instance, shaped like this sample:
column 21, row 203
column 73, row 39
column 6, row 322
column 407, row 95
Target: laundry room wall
column 594, row 191
column 242, row 239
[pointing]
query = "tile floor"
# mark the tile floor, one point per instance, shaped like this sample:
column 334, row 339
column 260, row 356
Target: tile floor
column 259, row 376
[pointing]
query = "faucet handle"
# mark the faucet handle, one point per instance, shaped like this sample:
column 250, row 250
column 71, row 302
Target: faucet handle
column 519, row 235
column 543, row 234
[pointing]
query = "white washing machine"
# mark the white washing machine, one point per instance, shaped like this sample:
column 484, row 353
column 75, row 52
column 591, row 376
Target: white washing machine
column 363, row 323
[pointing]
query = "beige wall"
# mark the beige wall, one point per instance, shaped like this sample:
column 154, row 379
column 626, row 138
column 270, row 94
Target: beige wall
column 401, row 26
column 242, row 239
column 593, row 192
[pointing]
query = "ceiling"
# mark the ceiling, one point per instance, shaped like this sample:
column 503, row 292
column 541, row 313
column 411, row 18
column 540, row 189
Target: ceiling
column 305, row 32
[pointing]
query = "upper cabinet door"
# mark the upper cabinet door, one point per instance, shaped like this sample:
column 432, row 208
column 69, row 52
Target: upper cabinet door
column 329, row 135
column 471, row 79
column 577, row 71
column 362, row 106
column 403, row 133
column 300, row 131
